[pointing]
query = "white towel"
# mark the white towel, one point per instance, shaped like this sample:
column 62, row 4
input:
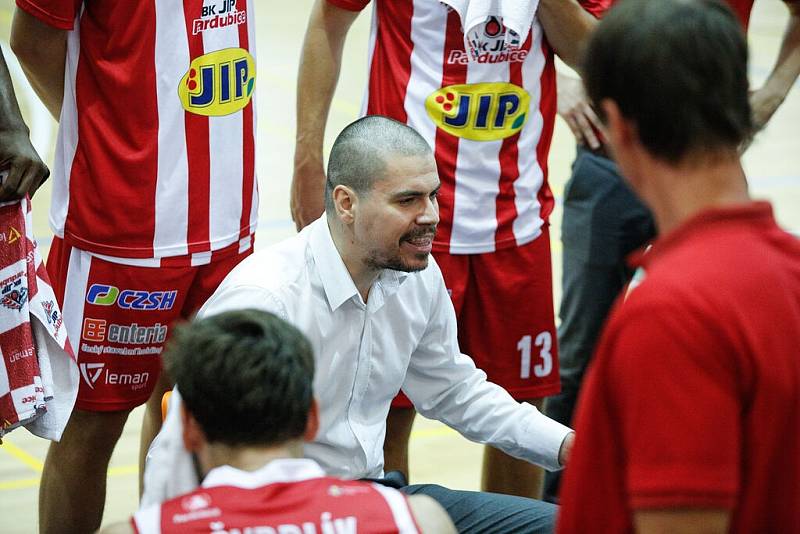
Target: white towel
column 38, row 372
column 514, row 16
column 168, row 470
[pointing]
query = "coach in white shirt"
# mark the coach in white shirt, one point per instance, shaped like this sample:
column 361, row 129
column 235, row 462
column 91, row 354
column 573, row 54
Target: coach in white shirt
column 360, row 283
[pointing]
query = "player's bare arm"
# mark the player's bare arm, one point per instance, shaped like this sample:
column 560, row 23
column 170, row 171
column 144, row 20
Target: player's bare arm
column 684, row 521
column 320, row 63
column 567, row 26
column 42, row 52
column 766, row 100
column 25, row 170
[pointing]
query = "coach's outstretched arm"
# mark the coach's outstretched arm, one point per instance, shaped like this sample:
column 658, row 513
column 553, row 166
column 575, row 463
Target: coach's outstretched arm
column 42, row 52
column 320, row 64
column 766, row 100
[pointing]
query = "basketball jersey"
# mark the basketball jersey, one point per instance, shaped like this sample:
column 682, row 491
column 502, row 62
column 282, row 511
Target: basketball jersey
column 155, row 153
column 285, row 496
column 489, row 120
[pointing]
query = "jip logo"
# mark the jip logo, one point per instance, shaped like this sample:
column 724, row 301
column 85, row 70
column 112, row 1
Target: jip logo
column 218, row 83
column 480, row 111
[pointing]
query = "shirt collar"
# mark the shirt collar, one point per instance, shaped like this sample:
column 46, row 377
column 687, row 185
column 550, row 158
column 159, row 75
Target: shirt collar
column 745, row 215
column 336, row 279
column 281, row 470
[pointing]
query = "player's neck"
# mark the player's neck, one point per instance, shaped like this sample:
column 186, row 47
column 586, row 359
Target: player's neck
column 677, row 193
column 246, row 458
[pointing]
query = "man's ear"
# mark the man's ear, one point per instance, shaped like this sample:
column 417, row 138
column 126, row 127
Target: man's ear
column 312, row 425
column 621, row 132
column 193, row 436
column 345, row 200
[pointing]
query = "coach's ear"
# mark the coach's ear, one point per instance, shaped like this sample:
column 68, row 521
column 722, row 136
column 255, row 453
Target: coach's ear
column 344, row 201
column 193, row 436
column 312, row 425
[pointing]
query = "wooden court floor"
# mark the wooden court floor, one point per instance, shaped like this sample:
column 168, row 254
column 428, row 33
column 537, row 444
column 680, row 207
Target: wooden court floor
column 438, row 454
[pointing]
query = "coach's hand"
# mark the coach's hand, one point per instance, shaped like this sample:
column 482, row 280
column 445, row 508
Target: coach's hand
column 26, row 171
column 307, row 200
column 566, row 449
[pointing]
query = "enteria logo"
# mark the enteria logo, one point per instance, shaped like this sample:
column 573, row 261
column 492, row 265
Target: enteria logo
column 479, row 111
column 218, row 83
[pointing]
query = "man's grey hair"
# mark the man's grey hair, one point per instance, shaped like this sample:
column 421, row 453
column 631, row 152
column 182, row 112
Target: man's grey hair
column 360, row 153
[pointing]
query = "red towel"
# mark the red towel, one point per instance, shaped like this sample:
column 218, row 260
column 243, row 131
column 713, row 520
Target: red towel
column 33, row 338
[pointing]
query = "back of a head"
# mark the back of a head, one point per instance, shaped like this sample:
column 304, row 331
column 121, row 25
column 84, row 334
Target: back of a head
column 359, row 154
column 246, row 376
column 678, row 69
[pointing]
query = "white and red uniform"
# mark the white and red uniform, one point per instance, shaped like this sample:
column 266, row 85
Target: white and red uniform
column 155, row 153
column 287, row 495
column 154, row 169
column 490, row 123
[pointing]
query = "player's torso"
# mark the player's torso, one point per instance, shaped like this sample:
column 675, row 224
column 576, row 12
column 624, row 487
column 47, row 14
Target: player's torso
column 157, row 128
column 489, row 119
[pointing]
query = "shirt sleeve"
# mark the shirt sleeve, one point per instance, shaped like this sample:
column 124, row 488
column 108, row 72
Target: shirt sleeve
column 350, row 5
column 59, row 14
column 672, row 380
column 444, row 384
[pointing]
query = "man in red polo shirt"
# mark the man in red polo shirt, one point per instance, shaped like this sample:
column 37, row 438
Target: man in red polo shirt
column 690, row 413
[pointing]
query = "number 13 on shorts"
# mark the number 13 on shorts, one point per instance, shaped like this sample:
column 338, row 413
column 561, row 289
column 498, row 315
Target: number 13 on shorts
column 543, row 344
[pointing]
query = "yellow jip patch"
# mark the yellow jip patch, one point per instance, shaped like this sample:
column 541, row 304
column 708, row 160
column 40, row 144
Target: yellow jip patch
column 479, row 111
column 218, row 83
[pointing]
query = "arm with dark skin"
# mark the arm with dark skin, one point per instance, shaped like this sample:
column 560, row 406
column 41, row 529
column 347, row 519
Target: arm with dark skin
column 18, row 158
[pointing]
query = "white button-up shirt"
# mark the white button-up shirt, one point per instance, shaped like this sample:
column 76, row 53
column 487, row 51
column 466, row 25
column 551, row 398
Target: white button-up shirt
column 404, row 336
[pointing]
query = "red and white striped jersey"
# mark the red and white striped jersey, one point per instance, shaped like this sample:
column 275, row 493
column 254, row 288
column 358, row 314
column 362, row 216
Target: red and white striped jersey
column 489, row 121
column 155, row 153
column 287, row 495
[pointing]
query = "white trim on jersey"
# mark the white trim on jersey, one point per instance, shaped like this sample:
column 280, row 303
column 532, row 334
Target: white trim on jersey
column 67, row 142
column 527, row 225
column 373, row 32
column 423, row 82
column 74, row 294
column 172, row 186
column 226, row 165
column 400, row 510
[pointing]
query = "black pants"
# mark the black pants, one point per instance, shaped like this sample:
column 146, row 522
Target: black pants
column 603, row 223
column 480, row 511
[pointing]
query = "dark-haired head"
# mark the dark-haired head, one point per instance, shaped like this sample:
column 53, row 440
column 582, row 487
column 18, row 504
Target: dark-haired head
column 246, row 377
column 678, row 70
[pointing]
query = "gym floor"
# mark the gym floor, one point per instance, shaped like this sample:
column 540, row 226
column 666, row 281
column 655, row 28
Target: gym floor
column 438, row 454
